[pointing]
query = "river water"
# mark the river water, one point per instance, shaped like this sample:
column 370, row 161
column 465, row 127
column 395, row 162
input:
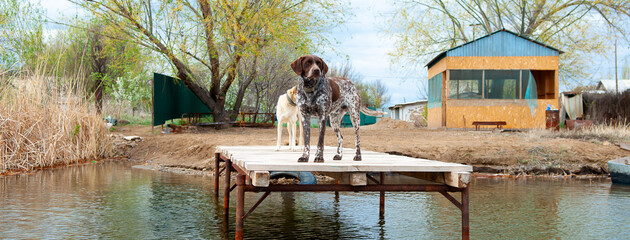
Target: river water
column 111, row 200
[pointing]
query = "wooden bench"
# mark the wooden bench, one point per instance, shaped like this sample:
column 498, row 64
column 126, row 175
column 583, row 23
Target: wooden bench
column 499, row 124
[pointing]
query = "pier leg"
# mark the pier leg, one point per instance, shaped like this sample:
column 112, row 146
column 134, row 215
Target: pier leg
column 217, row 157
column 465, row 216
column 382, row 204
column 226, row 194
column 337, row 192
column 240, row 205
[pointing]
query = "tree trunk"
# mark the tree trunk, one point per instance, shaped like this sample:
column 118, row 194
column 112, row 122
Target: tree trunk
column 98, row 96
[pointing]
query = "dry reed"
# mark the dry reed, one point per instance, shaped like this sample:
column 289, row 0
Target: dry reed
column 613, row 133
column 44, row 123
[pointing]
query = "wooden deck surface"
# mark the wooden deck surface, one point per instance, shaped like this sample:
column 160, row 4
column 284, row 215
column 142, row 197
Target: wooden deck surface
column 266, row 158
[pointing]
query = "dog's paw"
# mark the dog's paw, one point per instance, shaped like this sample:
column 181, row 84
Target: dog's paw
column 319, row 159
column 337, row 157
column 357, row 158
column 303, row 159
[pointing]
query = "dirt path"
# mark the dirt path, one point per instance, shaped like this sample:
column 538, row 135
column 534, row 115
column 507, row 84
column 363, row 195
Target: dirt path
column 515, row 153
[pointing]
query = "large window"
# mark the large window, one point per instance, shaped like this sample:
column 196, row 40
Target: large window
column 501, row 84
column 489, row 84
column 465, row 84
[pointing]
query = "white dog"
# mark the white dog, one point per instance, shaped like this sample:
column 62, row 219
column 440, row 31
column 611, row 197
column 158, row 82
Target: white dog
column 287, row 112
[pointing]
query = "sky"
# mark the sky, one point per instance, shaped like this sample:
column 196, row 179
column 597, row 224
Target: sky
column 361, row 41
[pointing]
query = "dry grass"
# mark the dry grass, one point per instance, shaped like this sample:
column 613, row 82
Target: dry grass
column 598, row 133
column 44, row 123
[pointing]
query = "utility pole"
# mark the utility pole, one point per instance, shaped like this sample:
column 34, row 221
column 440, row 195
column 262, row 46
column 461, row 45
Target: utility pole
column 616, row 79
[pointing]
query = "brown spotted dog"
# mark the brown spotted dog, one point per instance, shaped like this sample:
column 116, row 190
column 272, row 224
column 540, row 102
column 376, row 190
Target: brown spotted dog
column 326, row 97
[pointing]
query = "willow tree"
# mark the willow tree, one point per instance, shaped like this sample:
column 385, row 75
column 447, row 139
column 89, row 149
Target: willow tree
column 424, row 28
column 205, row 41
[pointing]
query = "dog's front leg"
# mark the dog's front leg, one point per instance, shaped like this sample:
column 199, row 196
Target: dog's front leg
column 278, row 139
column 306, row 126
column 319, row 155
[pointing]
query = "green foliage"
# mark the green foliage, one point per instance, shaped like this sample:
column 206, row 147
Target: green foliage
column 21, row 34
column 425, row 113
column 205, row 41
column 373, row 94
column 133, row 90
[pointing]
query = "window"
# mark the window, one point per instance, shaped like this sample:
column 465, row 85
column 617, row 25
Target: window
column 465, row 84
column 502, row 84
column 435, row 91
column 491, row 84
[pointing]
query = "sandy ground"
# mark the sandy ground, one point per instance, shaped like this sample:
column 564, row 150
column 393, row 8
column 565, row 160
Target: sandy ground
column 487, row 151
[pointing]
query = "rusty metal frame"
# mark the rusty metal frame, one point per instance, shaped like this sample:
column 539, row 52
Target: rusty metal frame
column 243, row 184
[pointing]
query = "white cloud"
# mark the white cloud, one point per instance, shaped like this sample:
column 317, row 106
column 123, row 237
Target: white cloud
column 366, row 47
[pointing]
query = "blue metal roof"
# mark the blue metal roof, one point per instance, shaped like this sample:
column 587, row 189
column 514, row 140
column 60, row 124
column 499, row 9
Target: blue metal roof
column 502, row 43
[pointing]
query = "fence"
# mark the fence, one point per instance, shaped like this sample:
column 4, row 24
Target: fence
column 607, row 108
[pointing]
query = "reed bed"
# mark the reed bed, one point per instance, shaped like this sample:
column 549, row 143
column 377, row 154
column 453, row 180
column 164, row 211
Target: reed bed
column 45, row 123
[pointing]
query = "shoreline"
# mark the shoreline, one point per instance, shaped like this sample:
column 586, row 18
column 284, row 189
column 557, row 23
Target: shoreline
column 192, row 171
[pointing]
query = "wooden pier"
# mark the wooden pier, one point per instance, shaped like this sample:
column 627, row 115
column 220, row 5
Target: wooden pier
column 253, row 164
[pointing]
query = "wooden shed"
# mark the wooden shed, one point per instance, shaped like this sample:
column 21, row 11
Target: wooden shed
column 499, row 77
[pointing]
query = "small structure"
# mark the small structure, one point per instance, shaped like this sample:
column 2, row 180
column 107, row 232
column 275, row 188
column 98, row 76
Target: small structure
column 609, row 85
column 499, row 77
column 254, row 164
column 409, row 112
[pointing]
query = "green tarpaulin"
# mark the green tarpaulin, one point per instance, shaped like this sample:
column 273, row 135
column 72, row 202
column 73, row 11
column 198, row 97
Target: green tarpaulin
column 171, row 99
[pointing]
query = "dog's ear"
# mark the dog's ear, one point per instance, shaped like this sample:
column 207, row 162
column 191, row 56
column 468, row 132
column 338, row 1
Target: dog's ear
column 297, row 66
column 324, row 67
column 291, row 91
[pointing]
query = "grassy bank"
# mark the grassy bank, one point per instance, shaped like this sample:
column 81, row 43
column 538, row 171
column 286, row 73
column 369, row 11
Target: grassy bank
column 46, row 122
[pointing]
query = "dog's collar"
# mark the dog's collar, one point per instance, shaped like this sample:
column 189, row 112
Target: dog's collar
column 312, row 89
column 291, row 102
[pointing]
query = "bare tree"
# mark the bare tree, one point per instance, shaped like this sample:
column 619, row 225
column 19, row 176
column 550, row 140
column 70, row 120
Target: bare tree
column 269, row 77
column 372, row 94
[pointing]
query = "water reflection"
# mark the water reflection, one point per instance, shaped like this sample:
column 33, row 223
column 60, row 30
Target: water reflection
column 111, row 200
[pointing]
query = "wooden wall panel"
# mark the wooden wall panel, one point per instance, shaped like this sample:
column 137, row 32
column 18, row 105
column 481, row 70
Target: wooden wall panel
column 516, row 113
column 434, row 117
column 437, row 68
column 534, row 63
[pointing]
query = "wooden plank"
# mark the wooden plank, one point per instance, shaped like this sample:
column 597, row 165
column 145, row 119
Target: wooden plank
column 342, row 177
column 358, row 179
column 259, row 178
column 457, row 179
column 436, row 177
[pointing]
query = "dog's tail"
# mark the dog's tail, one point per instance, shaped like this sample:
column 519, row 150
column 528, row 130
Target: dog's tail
column 371, row 112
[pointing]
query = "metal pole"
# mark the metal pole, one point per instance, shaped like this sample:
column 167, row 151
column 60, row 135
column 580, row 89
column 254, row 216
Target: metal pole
column 217, row 157
column 382, row 204
column 616, row 79
column 226, row 194
column 337, row 192
column 465, row 216
column 240, row 205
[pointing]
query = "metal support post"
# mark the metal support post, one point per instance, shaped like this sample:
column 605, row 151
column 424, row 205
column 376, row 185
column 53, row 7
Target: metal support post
column 465, row 216
column 337, row 192
column 382, row 204
column 226, row 194
column 240, row 205
column 217, row 158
